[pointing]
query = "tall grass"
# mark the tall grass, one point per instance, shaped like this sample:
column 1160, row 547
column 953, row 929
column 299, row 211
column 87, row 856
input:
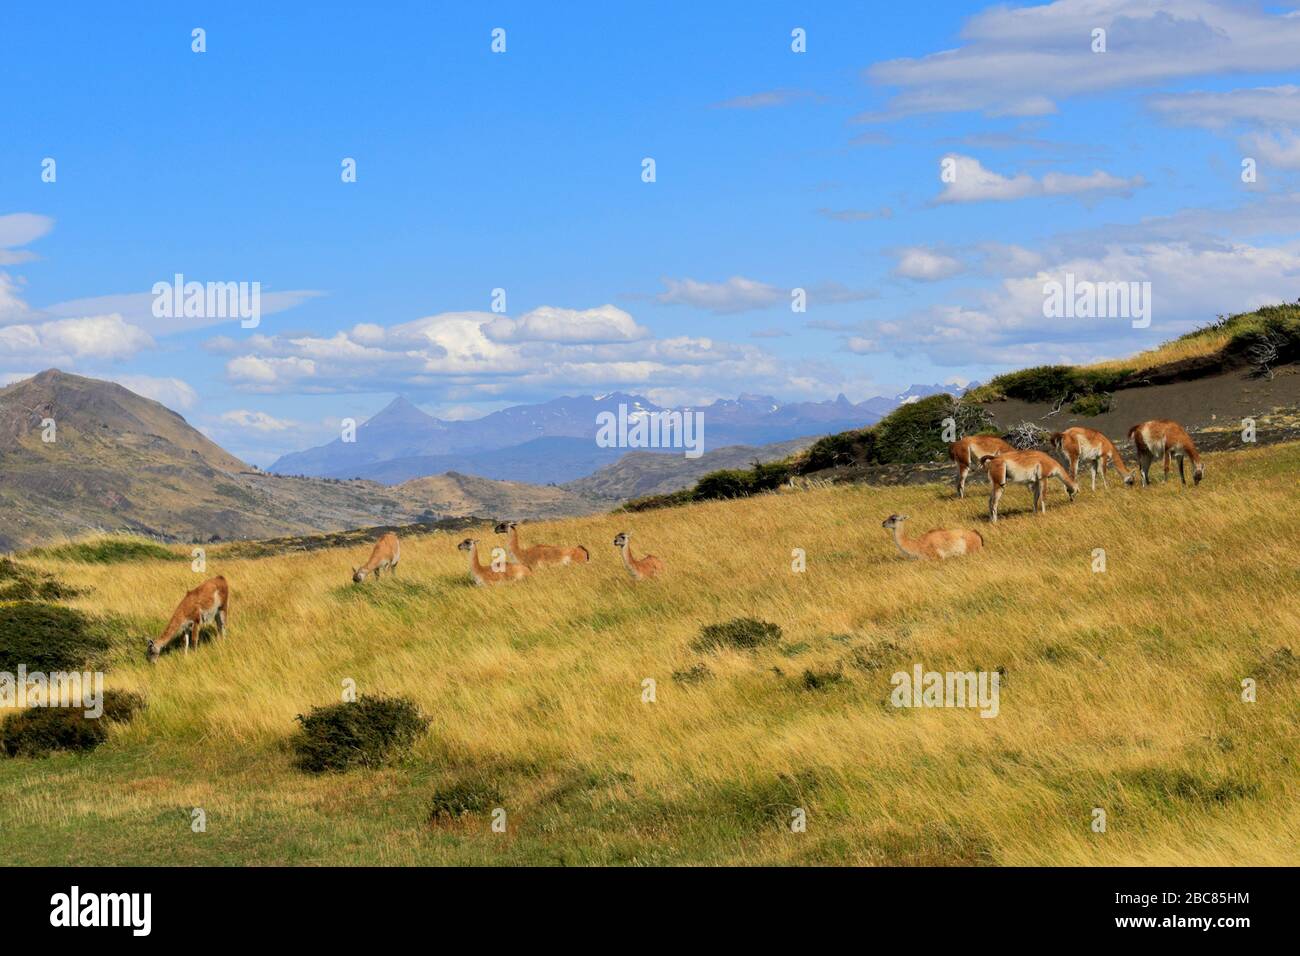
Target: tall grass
column 1121, row 692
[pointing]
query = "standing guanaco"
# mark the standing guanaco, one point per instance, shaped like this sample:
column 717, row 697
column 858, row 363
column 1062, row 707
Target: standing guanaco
column 539, row 554
column 387, row 552
column 208, row 602
column 935, row 543
column 968, row 451
column 496, row 573
column 1089, row 446
column 640, row 568
column 1031, row 468
column 1163, row 438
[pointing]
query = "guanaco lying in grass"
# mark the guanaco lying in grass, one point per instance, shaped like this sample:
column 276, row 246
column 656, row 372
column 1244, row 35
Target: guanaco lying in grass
column 1163, row 438
column 1089, row 446
column 498, row 571
column 640, row 568
column 539, row 554
column 967, row 452
column 208, row 602
column 1031, row 468
column 935, row 543
column 385, row 556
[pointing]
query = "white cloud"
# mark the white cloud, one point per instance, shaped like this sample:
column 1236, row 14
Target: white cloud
column 737, row 294
column 1019, row 60
column 764, row 100
column 926, row 265
column 971, row 182
column 1280, row 149
column 257, row 421
column 172, row 392
column 547, row 324
column 1262, row 105
column 19, row 229
column 104, row 337
column 137, row 308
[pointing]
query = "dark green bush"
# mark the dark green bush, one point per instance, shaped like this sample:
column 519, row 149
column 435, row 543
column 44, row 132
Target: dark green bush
column 21, row 583
column 844, row 448
column 39, row 731
column 695, row 674
column 914, row 432
column 744, row 633
column 47, row 637
column 1097, row 403
column 821, row 679
column 361, row 734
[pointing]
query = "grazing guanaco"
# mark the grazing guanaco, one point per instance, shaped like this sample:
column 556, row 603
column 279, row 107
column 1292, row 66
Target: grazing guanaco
column 539, row 554
column 387, row 552
column 1089, row 446
column 1031, row 468
column 935, row 543
column 640, row 568
column 494, row 574
column 968, row 451
column 1163, row 438
column 208, row 602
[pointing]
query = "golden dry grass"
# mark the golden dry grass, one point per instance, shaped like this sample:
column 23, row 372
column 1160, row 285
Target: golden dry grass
column 1122, row 691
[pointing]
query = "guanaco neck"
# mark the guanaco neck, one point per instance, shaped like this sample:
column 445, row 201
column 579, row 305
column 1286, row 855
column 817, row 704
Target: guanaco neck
column 629, row 562
column 476, row 570
column 905, row 545
column 512, row 540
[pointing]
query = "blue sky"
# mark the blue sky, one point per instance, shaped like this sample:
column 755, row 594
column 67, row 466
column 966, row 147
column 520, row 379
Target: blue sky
column 522, row 170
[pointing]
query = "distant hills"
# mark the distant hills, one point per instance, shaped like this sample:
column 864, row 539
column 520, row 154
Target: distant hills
column 121, row 462
column 555, row 441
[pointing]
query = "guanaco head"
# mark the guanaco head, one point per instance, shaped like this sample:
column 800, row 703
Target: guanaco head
column 153, row 652
column 504, row 526
column 1055, row 439
column 359, row 575
column 620, row 539
column 1198, row 473
column 467, row 544
column 985, row 459
column 1128, row 479
column 893, row 521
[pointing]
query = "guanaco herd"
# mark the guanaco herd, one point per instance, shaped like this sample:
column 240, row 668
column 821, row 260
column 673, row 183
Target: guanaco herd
column 1159, row 438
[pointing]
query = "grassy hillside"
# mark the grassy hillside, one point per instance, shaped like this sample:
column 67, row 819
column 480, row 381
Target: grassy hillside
column 1122, row 691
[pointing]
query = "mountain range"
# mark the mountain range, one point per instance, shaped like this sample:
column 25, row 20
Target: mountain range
column 554, row 442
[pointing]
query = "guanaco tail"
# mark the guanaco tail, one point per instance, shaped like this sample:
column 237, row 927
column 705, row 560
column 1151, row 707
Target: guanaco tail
column 1031, row 468
column 1088, row 446
column 387, row 552
column 208, row 602
column 1162, row 438
column 967, row 453
column 640, row 568
column 499, row 570
column 935, row 543
column 539, row 554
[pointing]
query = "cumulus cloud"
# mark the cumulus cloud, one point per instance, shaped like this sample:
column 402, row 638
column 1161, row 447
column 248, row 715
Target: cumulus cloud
column 547, row 324
column 105, row 337
column 971, row 182
column 926, row 265
column 172, row 392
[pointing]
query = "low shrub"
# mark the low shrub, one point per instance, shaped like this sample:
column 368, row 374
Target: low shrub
column 107, row 551
column 742, row 633
column 47, row 637
column 40, row 731
column 463, row 798
column 361, row 734
column 1097, row 403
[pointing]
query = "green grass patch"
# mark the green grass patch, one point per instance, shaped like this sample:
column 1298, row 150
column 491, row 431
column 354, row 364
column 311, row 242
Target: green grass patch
column 107, row 551
column 740, row 633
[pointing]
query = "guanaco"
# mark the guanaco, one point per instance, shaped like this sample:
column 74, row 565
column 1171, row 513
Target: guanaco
column 208, row 602
column 498, row 572
column 640, row 568
column 540, row 554
column 387, row 552
column 1031, row 468
column 935, row 543
column 1089, row 446
column 968, row 451
column 1162, row 438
